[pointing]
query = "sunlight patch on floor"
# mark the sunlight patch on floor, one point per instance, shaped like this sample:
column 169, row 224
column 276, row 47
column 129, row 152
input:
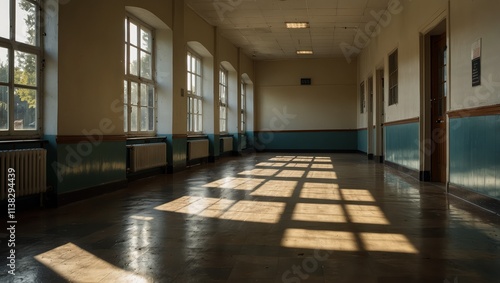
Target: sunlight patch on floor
column 322, row 175
column 244, row 184
column 319, row 239
column 260, row 172
column 381, row 242
column 366, row 214
column 244, row 210
column 275, row 188
column 77, row 265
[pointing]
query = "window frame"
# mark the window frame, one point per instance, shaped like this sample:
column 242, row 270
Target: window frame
column 243, row 107
column 149, row 83
column 12, row 47
column 393, row 78
column 194, row 99
column 223, row 99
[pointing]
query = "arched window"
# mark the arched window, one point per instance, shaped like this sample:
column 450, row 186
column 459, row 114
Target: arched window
column 140, row 100
column 194, row 94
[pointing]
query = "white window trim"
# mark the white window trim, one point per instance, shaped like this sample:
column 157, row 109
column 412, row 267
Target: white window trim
column 140, row 80
column 12, row 45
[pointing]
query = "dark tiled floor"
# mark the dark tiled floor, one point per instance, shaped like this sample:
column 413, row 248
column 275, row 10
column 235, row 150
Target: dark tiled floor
column 263, row 218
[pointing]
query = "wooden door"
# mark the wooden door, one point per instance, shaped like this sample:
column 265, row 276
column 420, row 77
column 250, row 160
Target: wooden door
column 439, row 77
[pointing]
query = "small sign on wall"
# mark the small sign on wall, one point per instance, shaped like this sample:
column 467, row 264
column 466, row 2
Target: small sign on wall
column 476, row 63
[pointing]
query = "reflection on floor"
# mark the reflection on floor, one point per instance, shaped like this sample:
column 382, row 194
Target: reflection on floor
column 263, row 218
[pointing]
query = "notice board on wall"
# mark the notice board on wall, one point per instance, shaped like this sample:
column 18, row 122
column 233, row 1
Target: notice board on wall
column 476, row 63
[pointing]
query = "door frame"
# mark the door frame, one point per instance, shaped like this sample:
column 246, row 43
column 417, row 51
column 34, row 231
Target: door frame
column 369, row 98
column 379, row 93
column 425, row 142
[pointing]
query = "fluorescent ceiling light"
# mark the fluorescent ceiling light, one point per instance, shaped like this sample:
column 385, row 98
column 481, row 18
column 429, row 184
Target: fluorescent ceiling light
column 304, row 52
column 297, row 25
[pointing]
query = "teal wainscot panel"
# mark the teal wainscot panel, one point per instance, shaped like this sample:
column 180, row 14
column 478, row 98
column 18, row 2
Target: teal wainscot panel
column 475, row 154
column 363, row 140
column 402, row 145
column 308, row 141
column 86, row 165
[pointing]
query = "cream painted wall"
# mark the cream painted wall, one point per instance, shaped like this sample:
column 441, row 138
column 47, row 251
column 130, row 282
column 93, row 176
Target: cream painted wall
column 197, row 29
column 247, row 66
column 226, row 51
column 401, row 31
column 328, row 104
column 162, row 9
column 470, row 21
column 179, row 112
column 90, row 66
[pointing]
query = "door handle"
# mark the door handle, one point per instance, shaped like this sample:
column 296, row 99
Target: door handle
column 439, row 121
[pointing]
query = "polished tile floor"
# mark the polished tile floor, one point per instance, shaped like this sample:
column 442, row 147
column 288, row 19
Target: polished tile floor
column 263, row 218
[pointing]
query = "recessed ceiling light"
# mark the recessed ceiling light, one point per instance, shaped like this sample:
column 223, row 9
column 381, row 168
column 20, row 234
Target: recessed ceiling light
column 297, row 25
column 304, row 52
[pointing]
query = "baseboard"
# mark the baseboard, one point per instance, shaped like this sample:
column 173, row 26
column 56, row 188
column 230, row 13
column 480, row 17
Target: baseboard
column 378, row 158
column 370, row 156
column 67, row 198
column 412, row 172
column 425, row 176
column 146, row 173
column 172, row 169
column 309, row 151
column 212, row 159
column 26, row 203
column 483, row 201
column 197, row 161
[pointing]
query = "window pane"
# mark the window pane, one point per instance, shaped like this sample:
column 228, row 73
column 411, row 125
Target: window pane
column 198, row 86
column 144, row 119
column 4, row 108
column 194, row 89
column 151, row 96
column 125, row 92
column 134, row 65
column 144, row 95
column 4, row 65
column 125, row 120
column 25, row 68
column 133, row 34
column 24, row 109
column 133, row 119
column 146, row 65
column 151, row 119
column 189, row 83
column 134, row 93
column 195, row 106
column 126, row 59
column 200, row 123
column 126, row 30
column 5, row 19
column 146, row 40
column 26, row 22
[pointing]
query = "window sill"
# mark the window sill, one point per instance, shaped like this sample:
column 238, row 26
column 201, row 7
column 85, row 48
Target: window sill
column 146, row 140
column 196, row 136
column 22, row 143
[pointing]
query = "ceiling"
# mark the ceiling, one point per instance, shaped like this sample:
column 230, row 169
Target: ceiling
column 258, row 26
